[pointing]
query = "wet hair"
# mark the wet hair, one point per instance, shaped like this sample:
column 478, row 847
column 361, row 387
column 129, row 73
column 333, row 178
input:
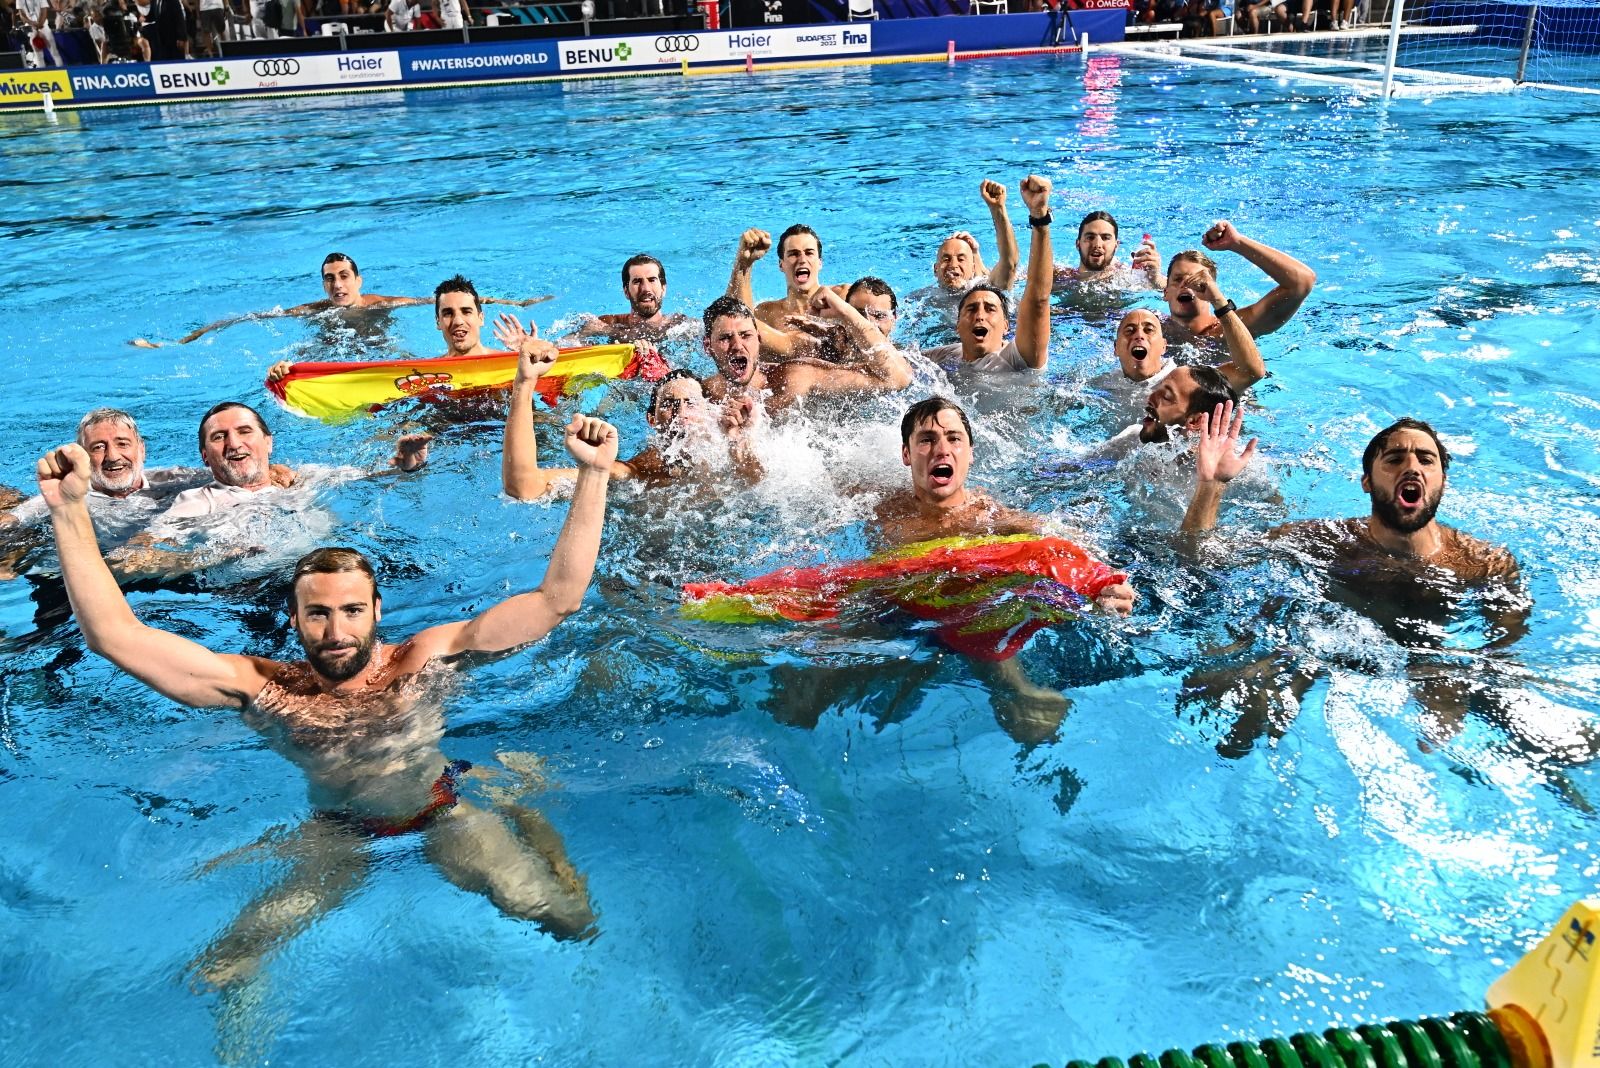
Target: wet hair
column 877, row 287
column 455, row 284
column 261, row 423
column 340, row 257
column 924, row 410
column 331, row 560
column 1211, row 388
column 1192, row 254
column 725, row 306
column 796, row 229
column 639, row 261
column 106, row 415
column 1380, row 442
column 985, row 287
column 672, row 376
column 1100, row 216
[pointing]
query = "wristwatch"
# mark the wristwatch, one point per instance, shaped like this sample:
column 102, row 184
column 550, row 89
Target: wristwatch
column 1042, row 221
column 1224, row 309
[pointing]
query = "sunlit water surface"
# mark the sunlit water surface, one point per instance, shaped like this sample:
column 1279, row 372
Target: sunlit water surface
column 814, row 845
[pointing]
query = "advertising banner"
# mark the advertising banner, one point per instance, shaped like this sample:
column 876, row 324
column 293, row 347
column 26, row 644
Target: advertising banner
column 124, row 81
column 275, row 72
column 715, row 46
column 514, row 59
column 30, row 86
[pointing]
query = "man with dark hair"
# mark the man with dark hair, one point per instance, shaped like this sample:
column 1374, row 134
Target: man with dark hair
column 958, row 262
column 1097, row 244
column 1188, row 317
column 983, row 315
column 644, row 283
column 353, row 715
column 1397, row 565
column 800, row 260
column 341, row 281
column 733, row 339
column 686, row 427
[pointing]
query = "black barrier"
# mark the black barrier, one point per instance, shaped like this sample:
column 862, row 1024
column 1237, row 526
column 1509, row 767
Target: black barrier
column 12, row 61
column 630, row 27
column 518, row 31
column 281, row 46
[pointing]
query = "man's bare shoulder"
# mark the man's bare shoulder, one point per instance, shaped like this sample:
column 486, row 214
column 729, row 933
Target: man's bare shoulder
column 1473, row 559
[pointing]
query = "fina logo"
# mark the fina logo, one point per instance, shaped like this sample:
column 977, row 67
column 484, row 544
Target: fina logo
column 682, row 42
column 275, row 68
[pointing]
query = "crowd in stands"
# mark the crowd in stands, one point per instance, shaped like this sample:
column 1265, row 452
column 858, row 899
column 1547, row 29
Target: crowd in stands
column 53, row 34
column 1209, row 18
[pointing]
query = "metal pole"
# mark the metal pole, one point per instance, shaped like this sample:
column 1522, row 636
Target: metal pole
column 1394, row 47
column 1527, row 42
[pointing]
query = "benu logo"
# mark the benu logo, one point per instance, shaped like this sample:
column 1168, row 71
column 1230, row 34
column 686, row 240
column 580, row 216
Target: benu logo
column 219, row 75
column 623, row 51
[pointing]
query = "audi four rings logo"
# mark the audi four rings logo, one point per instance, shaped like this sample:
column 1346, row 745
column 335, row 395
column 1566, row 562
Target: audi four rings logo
column 275, row 68
column 683, row 42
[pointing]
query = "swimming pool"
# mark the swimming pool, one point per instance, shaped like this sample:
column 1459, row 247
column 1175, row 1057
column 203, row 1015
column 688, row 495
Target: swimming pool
column 809, row 846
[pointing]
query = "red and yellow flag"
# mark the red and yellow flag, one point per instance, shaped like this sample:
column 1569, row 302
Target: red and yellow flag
column 333, row 391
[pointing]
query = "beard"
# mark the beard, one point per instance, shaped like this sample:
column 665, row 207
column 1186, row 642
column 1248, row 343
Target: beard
column 115, row 482
column 1385, row 507
column 340, row 670
column 1151, row 432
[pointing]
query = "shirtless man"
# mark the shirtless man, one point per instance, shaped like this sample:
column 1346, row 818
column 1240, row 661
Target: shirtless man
column 1397, row 565
column 983, row 318
column 1188, row 317
column 936, row 444
column 341, row 281
column 644, row 283
column 685, row 425
column 1097, row 244
column 800, row 260
column 362, row 719
column 733, row 341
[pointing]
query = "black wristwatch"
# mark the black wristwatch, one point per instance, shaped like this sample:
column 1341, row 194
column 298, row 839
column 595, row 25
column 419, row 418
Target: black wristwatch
column 1043, row 220
column 1226, row 308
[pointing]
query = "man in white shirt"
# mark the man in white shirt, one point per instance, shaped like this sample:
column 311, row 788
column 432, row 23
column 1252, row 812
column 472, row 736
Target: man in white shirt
column 449, row 13
column 400, row 15
column 35, row 17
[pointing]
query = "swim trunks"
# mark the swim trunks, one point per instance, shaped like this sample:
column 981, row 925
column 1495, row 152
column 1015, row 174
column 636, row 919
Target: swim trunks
column 443, row 800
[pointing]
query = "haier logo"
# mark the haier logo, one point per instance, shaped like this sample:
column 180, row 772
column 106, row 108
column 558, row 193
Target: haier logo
column 749, row 40
column 854, row 38
column 360, row 63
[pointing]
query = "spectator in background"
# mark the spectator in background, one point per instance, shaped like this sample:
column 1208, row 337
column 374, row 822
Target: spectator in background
column 1253, row 12
column 400, row 14
column 171, row 30
column 211, row 22
column 1344, row 14
column 450, row 13
column 35, row 17
column 1302, row 21
column 1201, row 18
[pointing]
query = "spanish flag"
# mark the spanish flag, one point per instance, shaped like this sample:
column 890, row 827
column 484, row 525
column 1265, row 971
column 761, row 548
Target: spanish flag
column 988, row 594
column 335, row 391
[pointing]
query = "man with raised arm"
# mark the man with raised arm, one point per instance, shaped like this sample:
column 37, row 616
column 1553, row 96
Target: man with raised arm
column 644, row 283
column 983, row 316
column 733, row 341
column 355, row 715
column 1397, row 565
column 958, row 264
column 341, row 281
column 1188, row 317
column 687, row 432
column 800, row 260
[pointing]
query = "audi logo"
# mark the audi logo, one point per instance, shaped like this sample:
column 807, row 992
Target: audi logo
column 271, row 68
column 682, row 42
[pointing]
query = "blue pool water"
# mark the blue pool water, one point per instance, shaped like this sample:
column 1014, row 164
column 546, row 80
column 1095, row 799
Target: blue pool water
column 816, row 846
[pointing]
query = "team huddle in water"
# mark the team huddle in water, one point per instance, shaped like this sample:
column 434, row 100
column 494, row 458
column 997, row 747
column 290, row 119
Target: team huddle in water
column 363, row 719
